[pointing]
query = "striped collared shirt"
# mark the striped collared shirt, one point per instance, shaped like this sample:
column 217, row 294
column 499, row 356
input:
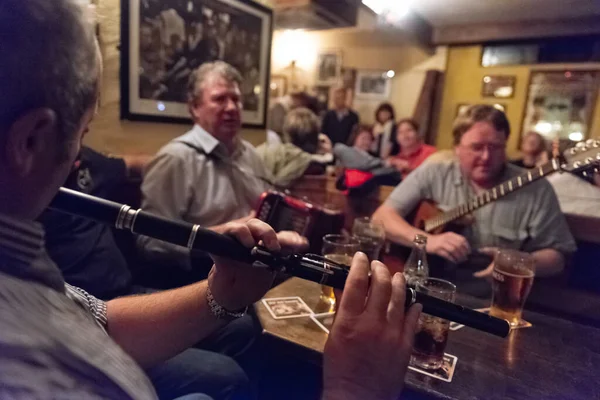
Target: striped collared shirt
column 53, row 340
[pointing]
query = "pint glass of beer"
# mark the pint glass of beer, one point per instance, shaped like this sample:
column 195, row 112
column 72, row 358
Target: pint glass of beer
column 432, row 332
column 512, row 280
column 340, row 249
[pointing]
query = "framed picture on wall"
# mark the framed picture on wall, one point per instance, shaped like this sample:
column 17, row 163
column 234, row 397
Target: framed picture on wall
column 499, row 86
column 374, row 85
column 163, row 42
column 329, row 67
column 560, row 104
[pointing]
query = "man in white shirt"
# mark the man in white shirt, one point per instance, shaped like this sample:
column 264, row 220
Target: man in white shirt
column 210, row 175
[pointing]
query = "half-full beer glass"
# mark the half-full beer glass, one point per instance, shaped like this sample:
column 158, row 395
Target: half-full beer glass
column 340, row 249
column 512, row 280
column 432, row 332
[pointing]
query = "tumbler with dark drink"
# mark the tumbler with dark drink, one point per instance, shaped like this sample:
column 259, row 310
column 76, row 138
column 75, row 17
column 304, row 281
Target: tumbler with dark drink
column 432, row 332
column 430, row 342
column 512, row 280
column 371, row 236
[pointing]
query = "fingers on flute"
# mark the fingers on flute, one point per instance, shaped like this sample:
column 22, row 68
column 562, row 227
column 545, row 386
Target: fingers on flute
column 357, row 286
column 241, row 232
column 396, row 307
column 262, row 231
column 381, row 290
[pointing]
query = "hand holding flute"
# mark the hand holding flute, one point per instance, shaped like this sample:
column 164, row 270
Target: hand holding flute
column 371, row 337
column 368, row 350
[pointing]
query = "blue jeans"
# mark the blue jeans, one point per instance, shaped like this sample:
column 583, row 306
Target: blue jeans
column 210, row 368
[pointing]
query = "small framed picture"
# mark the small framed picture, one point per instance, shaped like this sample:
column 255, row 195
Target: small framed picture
column 278, row 86
column 375, row 85
column 498, row 86
column 329, row 67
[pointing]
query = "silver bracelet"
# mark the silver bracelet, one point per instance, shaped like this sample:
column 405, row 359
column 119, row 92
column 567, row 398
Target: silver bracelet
column 221, row 312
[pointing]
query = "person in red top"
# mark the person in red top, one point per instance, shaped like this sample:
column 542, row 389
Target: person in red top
column 409, row 151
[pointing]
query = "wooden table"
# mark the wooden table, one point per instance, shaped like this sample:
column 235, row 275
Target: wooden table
column 554, row 359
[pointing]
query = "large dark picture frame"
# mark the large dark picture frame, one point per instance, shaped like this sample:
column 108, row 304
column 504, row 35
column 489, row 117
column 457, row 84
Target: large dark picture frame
column 163, row 41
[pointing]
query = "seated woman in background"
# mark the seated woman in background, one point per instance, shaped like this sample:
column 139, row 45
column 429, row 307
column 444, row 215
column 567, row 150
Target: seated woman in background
column 409, row 151
column 357, row 154
column 303, row 151
column 534, row 149
column 360, row 165
column 384, row 130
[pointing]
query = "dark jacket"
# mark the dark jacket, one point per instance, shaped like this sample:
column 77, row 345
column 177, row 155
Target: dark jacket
column 337, row 130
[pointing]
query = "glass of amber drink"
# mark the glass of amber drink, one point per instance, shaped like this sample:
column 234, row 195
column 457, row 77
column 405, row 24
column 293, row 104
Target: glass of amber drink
column 339, row 249
column 432, row 332
column 512, row 280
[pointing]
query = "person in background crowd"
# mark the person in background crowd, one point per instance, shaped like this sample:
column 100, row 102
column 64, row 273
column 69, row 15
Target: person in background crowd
column 534, row 149
column 529, row 220
column 208, row 176
column 300, row 153
column 360, row 166
column 85, row 250
column 384, row 130
column 409, row 151
column 279, row 111
column 58, row 341
column 357, row 155
column 339, row 123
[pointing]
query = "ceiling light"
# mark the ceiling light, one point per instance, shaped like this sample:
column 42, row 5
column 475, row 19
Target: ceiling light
column 390, row 74
column 389, row 8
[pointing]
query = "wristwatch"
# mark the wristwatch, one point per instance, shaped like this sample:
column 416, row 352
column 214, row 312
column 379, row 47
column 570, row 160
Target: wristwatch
column 221, row 312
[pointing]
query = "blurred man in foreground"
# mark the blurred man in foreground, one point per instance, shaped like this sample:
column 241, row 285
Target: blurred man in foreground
column 56, row 340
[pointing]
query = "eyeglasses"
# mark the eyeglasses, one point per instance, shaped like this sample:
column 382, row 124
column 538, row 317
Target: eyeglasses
column 478, row 148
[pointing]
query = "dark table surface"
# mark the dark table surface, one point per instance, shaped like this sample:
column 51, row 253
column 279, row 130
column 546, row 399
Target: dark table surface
column 554, row 359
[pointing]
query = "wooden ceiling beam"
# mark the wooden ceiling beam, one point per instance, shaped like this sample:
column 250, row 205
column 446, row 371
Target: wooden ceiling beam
column 495, row 32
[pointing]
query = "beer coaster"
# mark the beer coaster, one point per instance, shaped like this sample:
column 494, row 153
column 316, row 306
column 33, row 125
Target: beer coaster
column 444, row 373
column 454, row 326
column 324, row 320
column 287, row 307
